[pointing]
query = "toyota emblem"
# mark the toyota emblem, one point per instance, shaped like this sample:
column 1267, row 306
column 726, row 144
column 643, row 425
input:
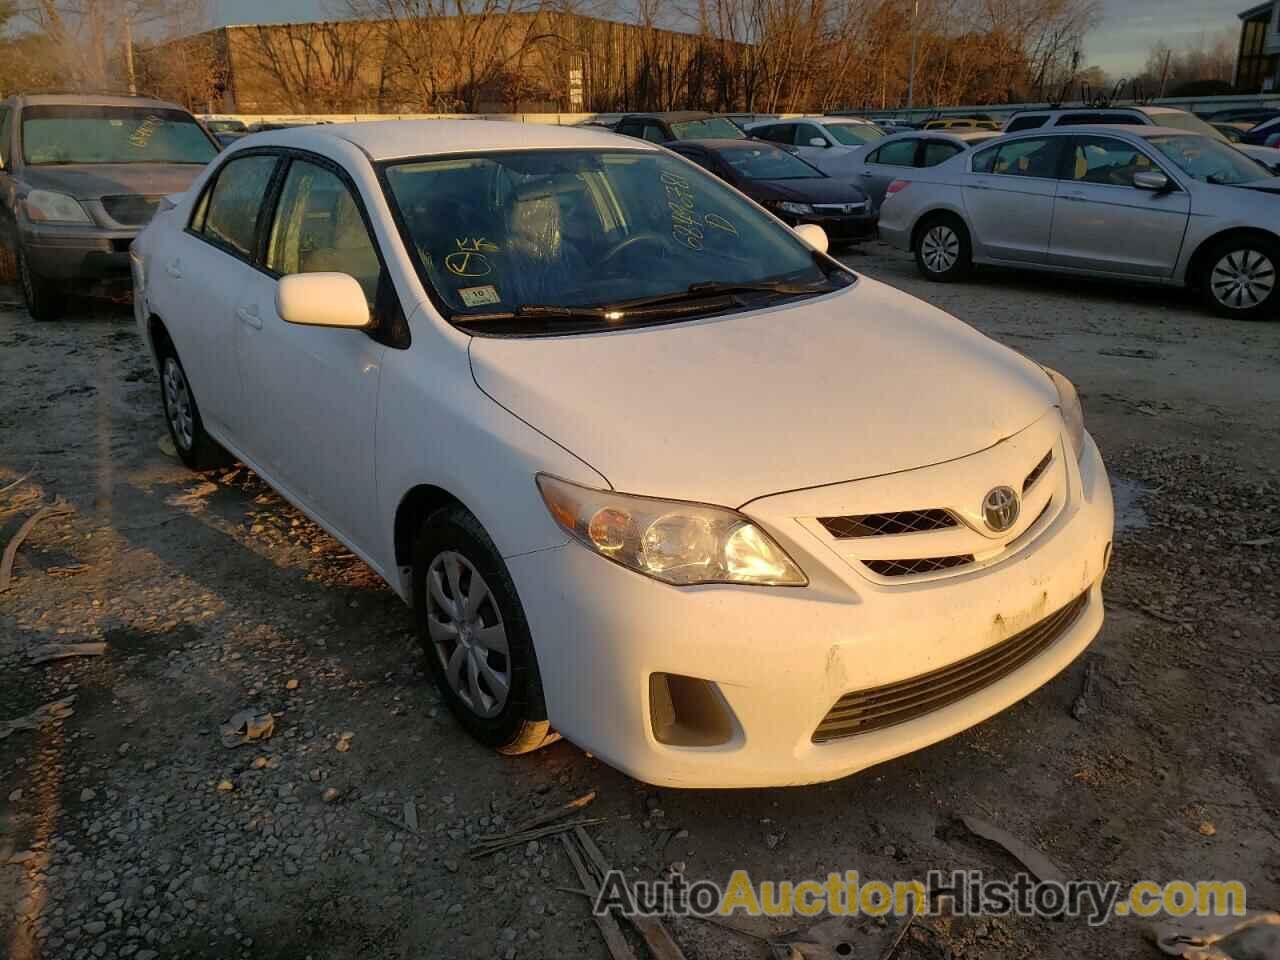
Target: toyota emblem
column 1000, row 508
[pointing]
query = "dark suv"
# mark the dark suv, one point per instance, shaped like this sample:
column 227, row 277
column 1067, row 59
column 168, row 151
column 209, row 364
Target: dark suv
column 80, row 176
column 679, row 125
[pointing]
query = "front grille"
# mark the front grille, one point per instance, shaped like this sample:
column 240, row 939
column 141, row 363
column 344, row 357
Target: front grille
column 905, row 568
column 1037, row 472
column 887, row 524
column 131, row 210
column 840, row 209
column 866, row 710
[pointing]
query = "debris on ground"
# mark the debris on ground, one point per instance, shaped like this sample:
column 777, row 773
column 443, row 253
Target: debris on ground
column 45, row 652
column 59, row 508
column 1088, row 690
column 1040, row 866
column 411, row 815
column 1255, row 936
column 344, row 742
column 247, row 726
column 608, row 924
column 49, row 713
column 651, row 928
column 503, row 841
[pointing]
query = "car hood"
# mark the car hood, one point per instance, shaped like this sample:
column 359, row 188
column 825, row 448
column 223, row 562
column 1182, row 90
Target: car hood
column 815, row 190
column 1269, row 185
column 860, row 383
column 89, row 181
column 1270, row 156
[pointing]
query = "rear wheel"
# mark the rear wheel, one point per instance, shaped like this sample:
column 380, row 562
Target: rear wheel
column 198, row 450
column 44, row 300
column 943, row 251
column 474, row 634
column 1239, row 278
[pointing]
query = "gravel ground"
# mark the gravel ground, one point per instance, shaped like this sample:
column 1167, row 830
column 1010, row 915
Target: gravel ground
column 130, row 830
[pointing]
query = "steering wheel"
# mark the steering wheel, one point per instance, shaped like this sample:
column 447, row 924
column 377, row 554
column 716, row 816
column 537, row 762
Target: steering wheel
column 635, row 240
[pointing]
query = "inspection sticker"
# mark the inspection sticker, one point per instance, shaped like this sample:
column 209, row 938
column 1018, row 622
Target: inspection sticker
column 479, row 296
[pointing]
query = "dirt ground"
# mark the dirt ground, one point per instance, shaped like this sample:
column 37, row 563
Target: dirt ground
column 129, row 830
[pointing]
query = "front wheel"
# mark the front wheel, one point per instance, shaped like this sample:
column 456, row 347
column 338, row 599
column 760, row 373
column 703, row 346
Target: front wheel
column 198, row 450
column 474, row 634
column 44, row 301
column 943, row 251
column 1238, row 278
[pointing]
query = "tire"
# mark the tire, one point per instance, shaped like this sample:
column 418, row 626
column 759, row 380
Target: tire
column 195, row 447
column 944, row 253
column 1240, row 278
column 453, row 557
column 44, row 301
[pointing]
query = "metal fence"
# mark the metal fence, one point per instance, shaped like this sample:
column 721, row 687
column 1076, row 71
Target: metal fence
column 997, row 111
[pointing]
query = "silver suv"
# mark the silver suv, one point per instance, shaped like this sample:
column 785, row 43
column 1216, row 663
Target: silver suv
column 80, row 176
column 1140, row 115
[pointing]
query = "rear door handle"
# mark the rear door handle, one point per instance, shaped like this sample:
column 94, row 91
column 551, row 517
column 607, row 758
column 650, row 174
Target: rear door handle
column 250, row 316
column 174, row 268
column 867, row 173
column 1076, row 197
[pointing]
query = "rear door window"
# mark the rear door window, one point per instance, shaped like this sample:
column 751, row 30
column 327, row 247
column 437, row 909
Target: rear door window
column 228, row 214
column 899, row 153
column 936, row 151
column 1034, row 157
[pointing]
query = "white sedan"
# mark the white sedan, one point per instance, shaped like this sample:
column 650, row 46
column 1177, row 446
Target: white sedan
column 653, row 471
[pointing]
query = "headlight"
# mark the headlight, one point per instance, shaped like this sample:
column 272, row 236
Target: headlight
column 795, row 209
column 670, row 540
column 47, row 206
column 1072, row 411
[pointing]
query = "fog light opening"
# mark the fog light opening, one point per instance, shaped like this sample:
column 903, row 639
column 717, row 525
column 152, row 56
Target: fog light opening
column 687, row 712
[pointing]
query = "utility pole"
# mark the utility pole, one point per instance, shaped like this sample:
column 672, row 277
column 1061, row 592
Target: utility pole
column 911, row 77
column 128, row 53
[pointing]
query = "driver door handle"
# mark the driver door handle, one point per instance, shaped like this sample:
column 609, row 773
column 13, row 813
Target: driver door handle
column 250, row 316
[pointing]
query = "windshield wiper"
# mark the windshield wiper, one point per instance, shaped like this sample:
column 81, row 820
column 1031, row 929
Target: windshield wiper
column 697, row 297
column 710, row 288
column 539, row 310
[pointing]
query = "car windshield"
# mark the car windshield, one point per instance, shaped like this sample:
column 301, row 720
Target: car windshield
column 498, row 233
column 1209, row 160
column 71, row 133
column 768, row 163
column 712, row 128
column 855, row 134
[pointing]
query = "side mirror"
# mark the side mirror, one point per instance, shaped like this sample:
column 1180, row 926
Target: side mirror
column 1151, row 180
column 817, row 142
column 813, row 235
column 322, row 300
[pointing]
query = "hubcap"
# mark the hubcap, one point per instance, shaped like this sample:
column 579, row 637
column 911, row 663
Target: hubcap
column 177, row 403
column 1243, row 279
column 940, row 249
column 468, row 634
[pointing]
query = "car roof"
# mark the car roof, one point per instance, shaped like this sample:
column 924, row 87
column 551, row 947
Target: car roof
column 94, row 100
column 1145, row 130
column 396, row 139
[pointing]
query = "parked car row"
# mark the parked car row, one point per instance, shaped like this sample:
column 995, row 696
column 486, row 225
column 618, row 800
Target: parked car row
column 1158, row 204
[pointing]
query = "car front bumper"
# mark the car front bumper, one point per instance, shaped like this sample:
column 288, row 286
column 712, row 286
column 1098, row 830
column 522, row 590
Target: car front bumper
column 76, row 253
column 780, row 658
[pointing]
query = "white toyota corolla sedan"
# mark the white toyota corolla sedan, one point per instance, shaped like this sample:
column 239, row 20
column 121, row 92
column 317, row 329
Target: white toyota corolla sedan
column 653, row 471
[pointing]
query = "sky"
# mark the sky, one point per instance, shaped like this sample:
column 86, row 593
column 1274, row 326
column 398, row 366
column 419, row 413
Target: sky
column 1119, row 45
